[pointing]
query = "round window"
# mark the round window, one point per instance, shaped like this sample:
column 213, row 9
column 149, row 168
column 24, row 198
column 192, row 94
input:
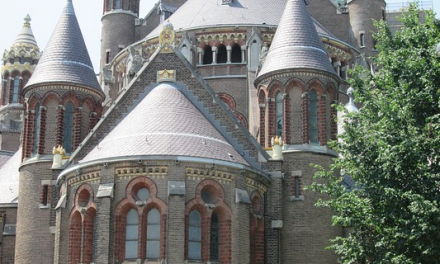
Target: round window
column 143, row 194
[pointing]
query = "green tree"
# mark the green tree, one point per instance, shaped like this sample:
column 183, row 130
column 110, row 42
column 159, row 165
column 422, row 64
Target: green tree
column 391, row 149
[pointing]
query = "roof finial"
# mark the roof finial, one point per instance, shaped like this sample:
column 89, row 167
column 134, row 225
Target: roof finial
column 351, row 107
column 27, row 19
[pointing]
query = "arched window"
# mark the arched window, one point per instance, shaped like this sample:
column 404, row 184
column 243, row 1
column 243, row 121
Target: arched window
column 236, row 54
column 131, row 234
column 313, row 117
column 195, row 236
column 36, row 129
column 117, row 4
column 207, row 56
column 153, row 234
column 222, row 54
column 279, row 112
column 214, row 238
column 68, row 126
column 15, row 90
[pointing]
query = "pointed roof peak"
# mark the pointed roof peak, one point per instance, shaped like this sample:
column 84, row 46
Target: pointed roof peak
column 66, row 59
column 68, row 9
column 26, row 35
column 296, row 44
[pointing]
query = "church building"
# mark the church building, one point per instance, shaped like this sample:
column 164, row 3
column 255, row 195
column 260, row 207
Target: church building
column 193, row 144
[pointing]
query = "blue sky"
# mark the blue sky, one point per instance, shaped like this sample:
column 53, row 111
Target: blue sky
column 45, row 14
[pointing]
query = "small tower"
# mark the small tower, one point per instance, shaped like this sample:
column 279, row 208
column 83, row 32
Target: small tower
column 118, row 27
column 18, row 65
column 362, row 16
column 63, row 102
column 296, row 86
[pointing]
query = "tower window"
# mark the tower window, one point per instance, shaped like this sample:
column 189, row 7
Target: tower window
column 15, row 89
column 44, row 197
column 279, row 116
column 68, row 127
column 207, row 57
column 107, row 57
column 36, row 129
column 362, row 39
column 117, row 4
column 313, row 117
column 222, row 54
column 236, row 54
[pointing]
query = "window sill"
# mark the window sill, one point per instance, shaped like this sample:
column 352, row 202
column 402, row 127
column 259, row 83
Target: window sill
column 296, row 199
column 44, row 206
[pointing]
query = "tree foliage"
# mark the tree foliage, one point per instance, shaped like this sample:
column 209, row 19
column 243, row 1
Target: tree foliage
column 391, row 149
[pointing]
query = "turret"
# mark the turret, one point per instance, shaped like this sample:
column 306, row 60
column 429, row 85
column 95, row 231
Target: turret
column 296, row 83
column 296, row 87
column 63, row 102
column 118, row 27
column 19, row 64
column 362, row 16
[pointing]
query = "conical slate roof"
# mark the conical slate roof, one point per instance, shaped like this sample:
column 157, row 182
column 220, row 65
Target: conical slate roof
column 164, row 123
column 66, row 59
column 296, row 43
column 26, row 35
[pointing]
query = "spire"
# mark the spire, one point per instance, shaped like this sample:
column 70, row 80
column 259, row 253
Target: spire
column 296, row 44
column 26, row 36
column 65, row 59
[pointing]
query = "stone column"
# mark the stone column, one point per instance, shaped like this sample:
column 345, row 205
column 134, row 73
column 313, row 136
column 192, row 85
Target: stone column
column 229, row 50
column 200, row 54
column 214, row 55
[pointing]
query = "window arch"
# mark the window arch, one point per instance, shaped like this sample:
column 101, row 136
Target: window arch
column 68, row 127
column 81, row 228
column 279, row 122
column 15, row 89
column 36, row 129
column 131, row 234
column 236, row 54
column 208, row 235
column 153, row 234
column 146, row 239
column 207, row 56
column 195, row 236
column 222, row 54
column 313, row 117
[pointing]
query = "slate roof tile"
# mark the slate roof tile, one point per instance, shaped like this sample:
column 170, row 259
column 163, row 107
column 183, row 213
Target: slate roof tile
column 164, row 123
column 296, row 44
column 65, row 58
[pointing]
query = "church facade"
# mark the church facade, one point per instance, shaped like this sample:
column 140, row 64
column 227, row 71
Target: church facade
column 194, row 144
